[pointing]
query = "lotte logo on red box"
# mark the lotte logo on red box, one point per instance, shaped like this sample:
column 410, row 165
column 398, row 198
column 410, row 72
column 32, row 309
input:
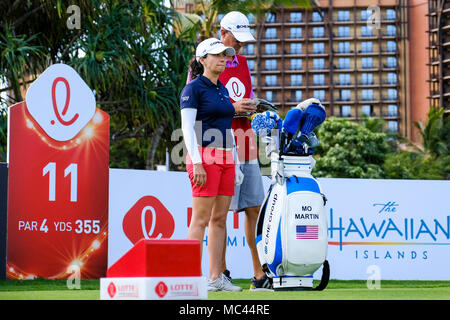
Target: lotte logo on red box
column 161, row 289
column 148, row 218
column 112, row 290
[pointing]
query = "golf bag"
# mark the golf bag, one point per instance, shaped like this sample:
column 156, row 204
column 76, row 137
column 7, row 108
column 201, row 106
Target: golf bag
column 291, row 232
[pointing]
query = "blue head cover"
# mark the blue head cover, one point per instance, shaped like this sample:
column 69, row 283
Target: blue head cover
column 262, row 124
column 313, row 115
column 292, row 120
column 273, row 115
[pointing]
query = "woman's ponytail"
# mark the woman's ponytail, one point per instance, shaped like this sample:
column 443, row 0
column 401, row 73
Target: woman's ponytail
column 196, row 69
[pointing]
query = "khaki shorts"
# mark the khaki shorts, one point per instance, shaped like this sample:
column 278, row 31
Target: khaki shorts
column 251, row 192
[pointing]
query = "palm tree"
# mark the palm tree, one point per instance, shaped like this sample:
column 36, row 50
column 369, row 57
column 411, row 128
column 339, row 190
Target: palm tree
column 33, row 34
column 435, row 133
column 207, row 11
column 126, row 51
column 431, row 160
column 137, row 65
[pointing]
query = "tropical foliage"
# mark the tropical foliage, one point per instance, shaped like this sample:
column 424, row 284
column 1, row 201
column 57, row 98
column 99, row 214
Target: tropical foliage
column 429, row 161
column 126, row 51
column 134, row 55
column 208, row 11
column 350, row 150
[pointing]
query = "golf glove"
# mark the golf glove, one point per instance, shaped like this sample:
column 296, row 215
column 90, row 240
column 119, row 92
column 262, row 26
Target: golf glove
column 272, row 145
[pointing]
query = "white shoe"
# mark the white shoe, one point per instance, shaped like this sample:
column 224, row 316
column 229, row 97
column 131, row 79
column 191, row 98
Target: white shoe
column 222, row 283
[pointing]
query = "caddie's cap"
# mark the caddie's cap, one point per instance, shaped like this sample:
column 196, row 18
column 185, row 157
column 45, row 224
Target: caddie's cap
column 237, row 23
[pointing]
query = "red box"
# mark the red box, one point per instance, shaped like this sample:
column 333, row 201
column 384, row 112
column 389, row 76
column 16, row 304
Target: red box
column 159, row 258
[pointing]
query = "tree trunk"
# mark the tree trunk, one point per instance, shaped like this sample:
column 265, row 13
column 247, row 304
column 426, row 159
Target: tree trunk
column 154, row 142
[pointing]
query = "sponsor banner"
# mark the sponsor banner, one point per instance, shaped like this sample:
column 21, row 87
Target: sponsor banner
column 58, row 153
column 153, row 288
column 3, row 212
column 400, row 228
column 155, row 204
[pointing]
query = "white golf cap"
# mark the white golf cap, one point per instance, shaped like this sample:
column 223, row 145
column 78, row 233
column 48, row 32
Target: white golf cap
column 213, row 46
column 237, row 23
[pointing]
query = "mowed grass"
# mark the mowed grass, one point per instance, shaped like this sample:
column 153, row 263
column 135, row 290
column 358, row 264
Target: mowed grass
column 41, row 289
column 349, row 290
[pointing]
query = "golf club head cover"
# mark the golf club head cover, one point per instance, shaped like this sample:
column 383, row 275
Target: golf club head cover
column 292, row 120
column 296, row 144
column 313, row 115
column 273, row 115
column 304, row 104
column 262, row 124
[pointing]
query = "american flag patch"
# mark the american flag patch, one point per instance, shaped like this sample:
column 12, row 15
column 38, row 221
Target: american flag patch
column 307, row 232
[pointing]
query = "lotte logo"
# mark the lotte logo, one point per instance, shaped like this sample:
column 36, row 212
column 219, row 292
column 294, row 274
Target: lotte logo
column 236, row 89
column 61, row 102
column 148, row 218
column 112, row 290
column 161, row 289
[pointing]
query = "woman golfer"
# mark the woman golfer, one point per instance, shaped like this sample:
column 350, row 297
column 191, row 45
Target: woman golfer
column 206, row 116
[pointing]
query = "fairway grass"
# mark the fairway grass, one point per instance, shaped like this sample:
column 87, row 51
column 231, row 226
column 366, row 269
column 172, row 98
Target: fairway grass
column 337, row 290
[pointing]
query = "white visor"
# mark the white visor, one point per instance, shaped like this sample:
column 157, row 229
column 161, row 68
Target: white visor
column 213, row 46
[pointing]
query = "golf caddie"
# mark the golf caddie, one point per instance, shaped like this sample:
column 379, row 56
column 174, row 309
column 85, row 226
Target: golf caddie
column 249, row 195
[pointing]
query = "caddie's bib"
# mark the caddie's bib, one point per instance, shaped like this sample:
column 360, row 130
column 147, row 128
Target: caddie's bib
column 239, row 84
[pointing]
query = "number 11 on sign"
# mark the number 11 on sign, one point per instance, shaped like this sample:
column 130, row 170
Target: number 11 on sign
column 71, row 169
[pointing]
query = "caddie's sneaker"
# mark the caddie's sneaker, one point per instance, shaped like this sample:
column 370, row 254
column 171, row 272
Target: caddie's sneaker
column 222, row 284
column 263, row 284
column 227, row 274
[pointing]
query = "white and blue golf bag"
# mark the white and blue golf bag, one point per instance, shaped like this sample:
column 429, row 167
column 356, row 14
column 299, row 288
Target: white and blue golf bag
column 291, row 233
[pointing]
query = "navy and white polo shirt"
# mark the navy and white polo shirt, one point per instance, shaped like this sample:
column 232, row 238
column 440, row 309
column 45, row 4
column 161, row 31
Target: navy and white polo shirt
column 214, row 111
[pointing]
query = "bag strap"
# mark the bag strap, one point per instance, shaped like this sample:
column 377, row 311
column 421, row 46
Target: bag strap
column 325, row 277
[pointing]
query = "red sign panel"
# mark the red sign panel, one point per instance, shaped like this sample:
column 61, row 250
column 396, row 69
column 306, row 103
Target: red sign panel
column 58, row 154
